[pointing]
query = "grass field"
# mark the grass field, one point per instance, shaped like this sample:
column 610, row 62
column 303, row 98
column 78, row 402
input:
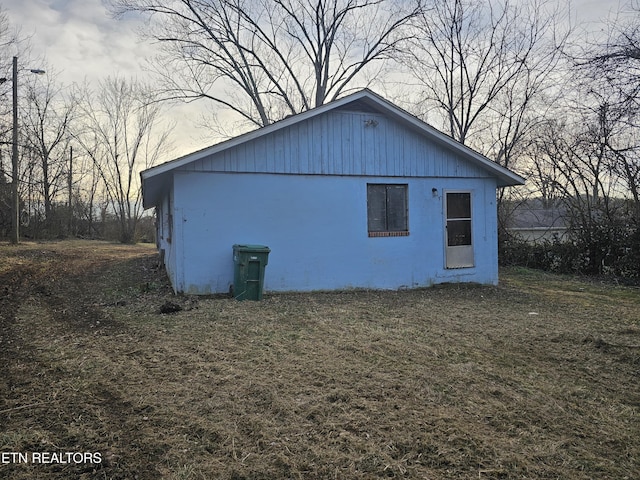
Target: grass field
column 536, row 378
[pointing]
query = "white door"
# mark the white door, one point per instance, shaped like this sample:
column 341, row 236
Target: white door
column 459, row 244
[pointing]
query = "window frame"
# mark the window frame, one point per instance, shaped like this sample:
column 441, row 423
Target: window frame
column 387, row 215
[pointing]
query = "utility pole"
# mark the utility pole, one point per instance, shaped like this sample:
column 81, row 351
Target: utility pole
column 70, row 185
column 15, row 199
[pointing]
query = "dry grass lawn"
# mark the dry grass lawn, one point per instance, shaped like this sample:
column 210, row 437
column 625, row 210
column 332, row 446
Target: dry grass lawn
column 537, row 378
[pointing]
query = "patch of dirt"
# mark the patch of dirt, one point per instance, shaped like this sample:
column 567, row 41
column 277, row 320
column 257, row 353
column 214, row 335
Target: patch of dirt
column 55, row 294
column 537, row 378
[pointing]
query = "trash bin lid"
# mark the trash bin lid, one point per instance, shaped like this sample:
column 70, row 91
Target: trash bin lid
column 251, row 248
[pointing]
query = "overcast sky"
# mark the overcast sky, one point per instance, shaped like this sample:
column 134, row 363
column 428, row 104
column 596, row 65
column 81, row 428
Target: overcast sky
column 79, row 40
column 78, row 37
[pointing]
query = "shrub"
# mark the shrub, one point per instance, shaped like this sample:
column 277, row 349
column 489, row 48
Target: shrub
column 602, row 250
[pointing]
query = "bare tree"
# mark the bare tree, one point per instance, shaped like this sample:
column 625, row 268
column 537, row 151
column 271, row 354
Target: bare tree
column 48, row 115
column 485, row 71
column 481, row 65
column 87, row 193
column 611, row 77
column 571, row 161
column 588, row 155
column 266, row 59
column 121, row 138
column 616, row 61
column 10, row 42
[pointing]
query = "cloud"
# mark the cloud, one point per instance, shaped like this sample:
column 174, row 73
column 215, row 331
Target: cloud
column 79, row 38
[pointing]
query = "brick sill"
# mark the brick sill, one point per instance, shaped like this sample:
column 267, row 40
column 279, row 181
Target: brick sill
column 388, row 234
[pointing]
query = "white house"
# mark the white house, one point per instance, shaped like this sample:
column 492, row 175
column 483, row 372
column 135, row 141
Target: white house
column 356, row 193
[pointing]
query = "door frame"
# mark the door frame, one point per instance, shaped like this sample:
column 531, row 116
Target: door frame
column 458, row 256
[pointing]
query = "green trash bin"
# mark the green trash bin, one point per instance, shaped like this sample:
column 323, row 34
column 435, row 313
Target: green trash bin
column 249, row 264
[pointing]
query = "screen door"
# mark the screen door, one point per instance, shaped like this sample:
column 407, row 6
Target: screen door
column 459, row 242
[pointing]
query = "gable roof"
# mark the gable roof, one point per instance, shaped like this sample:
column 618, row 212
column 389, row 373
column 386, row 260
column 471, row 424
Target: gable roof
column 153, row 179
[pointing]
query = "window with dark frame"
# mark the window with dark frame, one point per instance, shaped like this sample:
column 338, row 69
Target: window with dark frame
column 387, row 213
